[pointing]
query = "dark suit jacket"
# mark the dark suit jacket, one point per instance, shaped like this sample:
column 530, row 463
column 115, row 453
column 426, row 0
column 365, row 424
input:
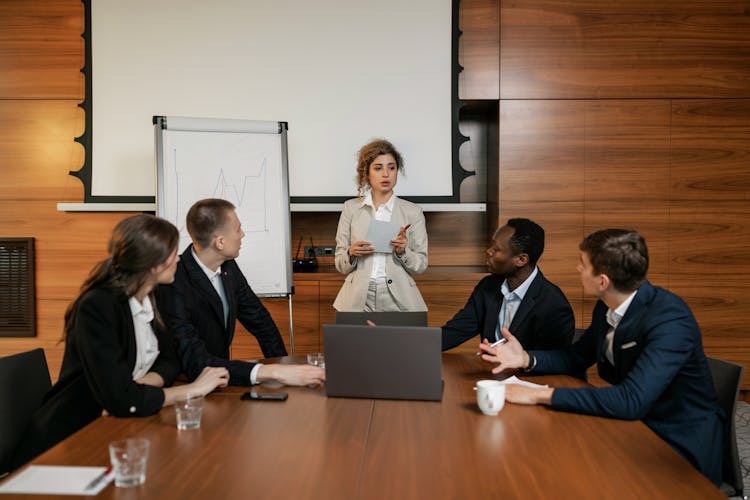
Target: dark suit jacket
column 544, row 319
column 660, row 375
column 97, row 373
column 192, row 309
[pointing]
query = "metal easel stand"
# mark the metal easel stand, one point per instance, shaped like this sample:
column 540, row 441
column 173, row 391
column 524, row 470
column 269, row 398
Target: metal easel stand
column 291, row 327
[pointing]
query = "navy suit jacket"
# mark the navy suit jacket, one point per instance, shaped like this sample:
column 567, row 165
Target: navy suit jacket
column 97, row 373
column 660, row 375
column 544, row 319
column 192, row 309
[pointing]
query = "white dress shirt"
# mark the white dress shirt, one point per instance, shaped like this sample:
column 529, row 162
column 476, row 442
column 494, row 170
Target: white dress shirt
column 382, row 213
column 613, row 319
column 511, row 301
column 146, row 343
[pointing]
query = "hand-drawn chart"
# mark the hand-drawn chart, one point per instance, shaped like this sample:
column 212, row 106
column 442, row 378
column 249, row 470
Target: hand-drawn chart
column 246, row 168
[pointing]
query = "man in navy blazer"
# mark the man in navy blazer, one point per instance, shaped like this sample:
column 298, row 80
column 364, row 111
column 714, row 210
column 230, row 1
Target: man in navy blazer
column 210, row 294
column 646, row 343
column 515, row 295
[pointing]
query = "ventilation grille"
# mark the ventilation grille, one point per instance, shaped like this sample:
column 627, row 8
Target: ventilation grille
column 17, row 295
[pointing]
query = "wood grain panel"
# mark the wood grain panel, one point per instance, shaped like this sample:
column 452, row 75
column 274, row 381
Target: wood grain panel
column 710, row 269
column 710, row 154
column 37, row 149
column 479, row 49
column 605, row 49
column 455, row 238
column 541, row 151
column 627, row 151
column 627, row 173
column 305, row 315
column 41, row 49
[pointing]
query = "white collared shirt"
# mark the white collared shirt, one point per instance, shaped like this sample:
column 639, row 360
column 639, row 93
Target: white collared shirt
column 510, row 302
column 613, row 319
column 215, row 278
column 146, row 343
column 382, row 213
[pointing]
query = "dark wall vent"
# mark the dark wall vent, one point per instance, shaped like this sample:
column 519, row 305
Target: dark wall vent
column 17, row 288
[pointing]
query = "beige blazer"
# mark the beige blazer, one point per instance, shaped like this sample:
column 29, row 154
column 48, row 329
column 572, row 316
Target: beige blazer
column 353, row 224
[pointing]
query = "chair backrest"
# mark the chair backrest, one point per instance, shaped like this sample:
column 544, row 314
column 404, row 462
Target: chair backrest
column 24, row 380
column 727, row 377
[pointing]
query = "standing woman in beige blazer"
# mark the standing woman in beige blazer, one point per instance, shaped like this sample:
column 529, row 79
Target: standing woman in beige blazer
column 380, row 281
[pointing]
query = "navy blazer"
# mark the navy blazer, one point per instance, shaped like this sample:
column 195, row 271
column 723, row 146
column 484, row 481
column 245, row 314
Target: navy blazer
column 97, row 374
column 544, row 319
column 660, row 375
column 192, row 309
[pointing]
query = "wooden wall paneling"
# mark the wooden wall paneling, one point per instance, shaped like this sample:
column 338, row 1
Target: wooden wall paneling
column 41, row 49
column 37, row 149
column 321, row 227
column 479, row 49
column 541, row 177
column 711, row 149
column 604, row 49
column 709, row 214
column 456, row 238
column 710, row 271
column 541, row 151
column 305, row 315
column 627, row 175
column 36, row 152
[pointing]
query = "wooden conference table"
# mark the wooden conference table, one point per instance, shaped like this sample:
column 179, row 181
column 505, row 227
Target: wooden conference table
column 312, row 446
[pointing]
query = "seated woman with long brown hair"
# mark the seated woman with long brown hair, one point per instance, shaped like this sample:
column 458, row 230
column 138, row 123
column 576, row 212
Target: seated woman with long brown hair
column 119, row 359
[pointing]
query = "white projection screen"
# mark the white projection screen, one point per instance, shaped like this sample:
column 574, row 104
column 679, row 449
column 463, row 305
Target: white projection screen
column 339, row 72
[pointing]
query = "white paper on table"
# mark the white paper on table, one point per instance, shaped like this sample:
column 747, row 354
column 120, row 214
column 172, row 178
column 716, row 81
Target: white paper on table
column 56, row 480
column 380, row 234
column 515, row 380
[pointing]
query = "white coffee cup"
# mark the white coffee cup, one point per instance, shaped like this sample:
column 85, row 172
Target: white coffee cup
column 490, row 396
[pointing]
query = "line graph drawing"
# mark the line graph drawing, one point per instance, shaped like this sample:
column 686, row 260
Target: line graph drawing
column 248, row 169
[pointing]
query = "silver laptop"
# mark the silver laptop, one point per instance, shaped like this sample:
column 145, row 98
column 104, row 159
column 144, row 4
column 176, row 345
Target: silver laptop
column 383, row 362
column 391, row 318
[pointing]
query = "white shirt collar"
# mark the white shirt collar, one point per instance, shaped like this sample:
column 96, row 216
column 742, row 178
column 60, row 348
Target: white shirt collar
column 521, row 290
column 141, row 310
column 614, row 317
column 367, row 200
column 209, row 273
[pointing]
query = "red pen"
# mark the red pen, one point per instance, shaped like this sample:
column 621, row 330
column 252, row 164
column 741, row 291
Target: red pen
column 98, row 479
column 406, row 227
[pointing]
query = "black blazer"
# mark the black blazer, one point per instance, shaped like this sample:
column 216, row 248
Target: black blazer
column 193, row 312
column 660, row 375
column 544, row 319
column 97, row 374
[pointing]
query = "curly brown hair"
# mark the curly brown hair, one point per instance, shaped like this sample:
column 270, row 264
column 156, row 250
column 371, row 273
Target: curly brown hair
column 367, row 155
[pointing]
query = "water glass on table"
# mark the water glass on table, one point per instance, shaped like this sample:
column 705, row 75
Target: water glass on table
column 188, row 411
column 316, row 359
column 128, row 458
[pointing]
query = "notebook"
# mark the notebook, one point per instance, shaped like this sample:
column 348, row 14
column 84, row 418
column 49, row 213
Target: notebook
column 383, row 362
column 392, row 318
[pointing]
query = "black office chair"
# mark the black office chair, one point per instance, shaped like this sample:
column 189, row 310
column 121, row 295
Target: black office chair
column 24, row 380
column 727, row 377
